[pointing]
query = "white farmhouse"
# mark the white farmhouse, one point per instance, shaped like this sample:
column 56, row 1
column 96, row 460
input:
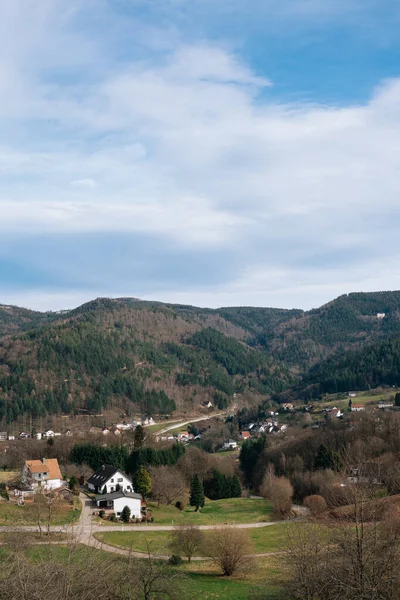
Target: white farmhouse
column 231, row 445
column 43, row 473
column 109, row 479
column 117, row 501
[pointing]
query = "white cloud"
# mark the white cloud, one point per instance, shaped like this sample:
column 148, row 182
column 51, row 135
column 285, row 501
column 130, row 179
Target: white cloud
column 192, row 147
column 84, row 183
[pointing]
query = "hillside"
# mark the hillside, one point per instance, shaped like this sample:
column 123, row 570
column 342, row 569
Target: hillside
column 370, row 367
column 145, row 358
column 138, row 356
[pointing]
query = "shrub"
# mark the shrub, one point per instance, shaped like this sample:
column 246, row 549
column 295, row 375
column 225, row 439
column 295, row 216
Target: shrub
column 316, row 504
column 102, row 513
column 175, row 560
column 179, row 505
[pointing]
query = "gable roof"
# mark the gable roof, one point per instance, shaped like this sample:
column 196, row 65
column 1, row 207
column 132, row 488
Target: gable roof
column 116, row 495
column 105, row 473
column 50, row 466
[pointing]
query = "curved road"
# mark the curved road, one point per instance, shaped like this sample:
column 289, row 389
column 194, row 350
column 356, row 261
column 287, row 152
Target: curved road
column 84, row 532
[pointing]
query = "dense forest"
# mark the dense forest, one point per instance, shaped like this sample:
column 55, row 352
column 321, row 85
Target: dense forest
column 153, row 358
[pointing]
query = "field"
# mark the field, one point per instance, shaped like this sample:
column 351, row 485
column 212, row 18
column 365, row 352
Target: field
column 265, row 539
column 202, row 578
column 366, row 398
column 230, row 510
column 12, row 514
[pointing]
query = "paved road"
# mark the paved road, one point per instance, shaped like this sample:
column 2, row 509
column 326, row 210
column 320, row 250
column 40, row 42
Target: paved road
column 183, row 423
column 84, row 531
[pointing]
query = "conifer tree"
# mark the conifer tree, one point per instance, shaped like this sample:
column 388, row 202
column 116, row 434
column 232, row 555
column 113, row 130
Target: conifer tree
column 142, row 482
column 236, row 489
column 196, row 493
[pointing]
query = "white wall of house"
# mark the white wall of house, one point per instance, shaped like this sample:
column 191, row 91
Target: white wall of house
column 125, row 484
column 133, row 503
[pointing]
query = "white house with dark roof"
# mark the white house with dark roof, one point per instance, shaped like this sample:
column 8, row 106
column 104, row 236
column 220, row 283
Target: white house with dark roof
column 109, row 479
column 117, row 501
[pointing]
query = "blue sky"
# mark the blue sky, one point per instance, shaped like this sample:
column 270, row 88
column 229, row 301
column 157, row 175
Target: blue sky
column 213, row 152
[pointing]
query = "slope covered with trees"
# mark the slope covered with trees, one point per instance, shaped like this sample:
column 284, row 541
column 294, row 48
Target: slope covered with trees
column 145, row 359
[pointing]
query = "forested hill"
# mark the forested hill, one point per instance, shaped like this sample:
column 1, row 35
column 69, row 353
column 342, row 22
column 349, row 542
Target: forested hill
column 138, row 358
column 154, row 358
column 373, row 366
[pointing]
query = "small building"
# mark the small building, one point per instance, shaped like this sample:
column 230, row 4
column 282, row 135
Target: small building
column 288, row 406
column 230, row 445
column 352, row 394
column 380, row 315
column 23, row 435
column 336, row 412
column 38, row 436
column 109, row 479
column 117, row 501
column 3, row 436
column 245, row 435
column 48, row 434
column 385, row 404
column 69, row 433
column 43, row 473
column 357, row 407
column 11, row 438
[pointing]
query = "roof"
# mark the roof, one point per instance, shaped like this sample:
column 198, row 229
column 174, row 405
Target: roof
column 103, row 474
column 50, row 466
column 245, row 434
column 116, row 495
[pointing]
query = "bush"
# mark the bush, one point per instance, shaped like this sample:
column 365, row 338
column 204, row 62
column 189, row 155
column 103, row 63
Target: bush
column 316, row 504
column 175, row 560
column 151, row 519
column 281, row 494
column 179, row 505
column 102, row 513
column 113, row 517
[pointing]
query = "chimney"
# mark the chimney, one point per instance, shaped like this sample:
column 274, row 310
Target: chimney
column 103, row 467
column 44, row 461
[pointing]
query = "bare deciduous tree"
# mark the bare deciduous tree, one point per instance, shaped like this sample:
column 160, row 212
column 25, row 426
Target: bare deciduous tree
column 186, row 540
column 168, row 484
column 229, row 549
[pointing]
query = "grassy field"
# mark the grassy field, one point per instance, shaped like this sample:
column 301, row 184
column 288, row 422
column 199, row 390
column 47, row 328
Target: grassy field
column 230, row 510
column 12, row 514
column 6, row 476
column 361, row 398
column 202, row 578
column 266, row 539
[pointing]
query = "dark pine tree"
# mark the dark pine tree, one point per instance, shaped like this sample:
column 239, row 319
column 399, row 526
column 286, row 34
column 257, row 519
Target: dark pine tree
column 196, row 493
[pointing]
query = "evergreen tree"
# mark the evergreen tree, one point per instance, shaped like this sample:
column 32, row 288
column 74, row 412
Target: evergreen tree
column 196, row 493
column 397, row 399
column 142, row 482
column 325, row 459
column 126, row 514
column 236, row 488
column 139, row 436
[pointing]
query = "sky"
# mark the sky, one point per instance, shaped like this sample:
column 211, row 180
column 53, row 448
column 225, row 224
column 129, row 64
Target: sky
column 208, row 152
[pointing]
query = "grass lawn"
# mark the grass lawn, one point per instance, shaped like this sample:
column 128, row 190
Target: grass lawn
column 265, row 539
column 201, row 577
column 6, row 476
column 12, row 514
column 230, row 510
column 361, row 398
column 159, row 426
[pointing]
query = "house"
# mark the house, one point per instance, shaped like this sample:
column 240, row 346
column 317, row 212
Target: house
column 380, row 405
column 336, row 412
column 230, row 445
column 207, row 404
column 352, row 394
column 48, row 434
column 245, row 435
column 117, row 501
column 357, row 407
column 23, row 435
column 105, row 431
column 380, row 315
column 3, row 436
column 69, row 433
column 148, row 421
column 288, row 406
column 109, row 479
column 38, row 436
column 43, row 473
column 11, row 438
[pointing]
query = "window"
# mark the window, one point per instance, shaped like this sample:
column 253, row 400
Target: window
column 112, row 480
column 120, row 479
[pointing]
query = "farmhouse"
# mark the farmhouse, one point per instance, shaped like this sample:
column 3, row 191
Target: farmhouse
column 230, row 445
column 109, row 479
column 357, row 407
column 43, row 473
column 116, row 501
